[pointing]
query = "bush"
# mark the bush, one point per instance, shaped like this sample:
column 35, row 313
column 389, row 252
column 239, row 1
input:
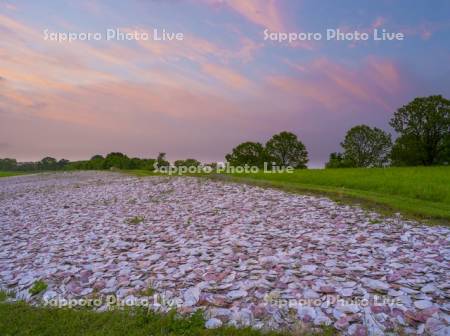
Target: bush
column 38, row 287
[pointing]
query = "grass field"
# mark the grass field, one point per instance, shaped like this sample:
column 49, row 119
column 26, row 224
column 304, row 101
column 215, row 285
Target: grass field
column 21, row 319
column 6, row 174
column 422, row 192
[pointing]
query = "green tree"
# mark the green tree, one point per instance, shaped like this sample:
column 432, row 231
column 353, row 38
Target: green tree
column 62, row 163
column 116, row 160
column 423, row 126
column 8, row 164
column 29, row 166
column 135, row 163
column 187, row 163
column 161, row 160
column 366, row 147
column 48, row 163
column 247, row 153
column 148, row 164
column 213, row 165
column 96, row 162
column 286, row 150
column 337, row 160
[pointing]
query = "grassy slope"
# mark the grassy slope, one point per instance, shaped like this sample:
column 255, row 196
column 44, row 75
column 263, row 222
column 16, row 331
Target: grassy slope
column 417, row 191
column 6, row 174
column 23, row 319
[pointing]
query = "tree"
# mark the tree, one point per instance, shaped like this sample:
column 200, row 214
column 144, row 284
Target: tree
column 161, row 160
column 97, row 162
column 116, row 160
column 424, row 132
column 28, row 166
column 213, row 165
column 48, row 163
column 135, row 163
column 366, row 147
column 337, row 160
column 187, row 163
column 148, row 164
column 248, row 153
column 286, row 150
column 62, row 163
column 8, row 164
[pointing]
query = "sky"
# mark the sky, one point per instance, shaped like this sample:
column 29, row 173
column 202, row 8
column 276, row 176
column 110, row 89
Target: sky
column 222, row 83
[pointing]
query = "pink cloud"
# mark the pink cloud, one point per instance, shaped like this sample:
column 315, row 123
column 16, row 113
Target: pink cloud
column 9, row 6
column 64, row 64
column 264, row 13
column 379, row 22
column 425, row 30
column 226, row 75
column 333, row 85
column 196, row 49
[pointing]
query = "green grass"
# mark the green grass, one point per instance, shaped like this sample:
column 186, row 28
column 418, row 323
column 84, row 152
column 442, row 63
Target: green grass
column 6, row 174
column 135, row 220
column 38, row 287
column 422, row 192
column 141, row 172
column 416, row 192
column 22, row 319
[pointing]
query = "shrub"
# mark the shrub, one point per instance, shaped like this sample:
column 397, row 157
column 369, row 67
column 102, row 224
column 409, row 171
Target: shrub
column 38, row 287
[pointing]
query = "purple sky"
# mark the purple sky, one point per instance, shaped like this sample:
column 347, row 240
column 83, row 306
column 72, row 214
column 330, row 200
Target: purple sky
column 221, row 85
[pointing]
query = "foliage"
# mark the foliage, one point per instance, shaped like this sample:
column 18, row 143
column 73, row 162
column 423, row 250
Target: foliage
column 8, row 164
column 187, row 163
column 62, row 163
column 116, row 160
column 38, row 287
column 286, row 150
column 161, row 160
column 248, row 153
column 337, row 160
column 213, row 165
column 9, row 173
column 366, row 147
column 135, row 220
column 23, row 319
column 149, row 291
column 424, row 128
column 97, row 162
column 47, row 163
column 283, row 149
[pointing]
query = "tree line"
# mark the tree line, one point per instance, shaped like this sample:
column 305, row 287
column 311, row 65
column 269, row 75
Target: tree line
column 97, row 162
column 114, row 160
column 423, row 128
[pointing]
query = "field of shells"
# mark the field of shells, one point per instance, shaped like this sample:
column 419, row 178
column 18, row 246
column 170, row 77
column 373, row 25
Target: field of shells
column 246, row 255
